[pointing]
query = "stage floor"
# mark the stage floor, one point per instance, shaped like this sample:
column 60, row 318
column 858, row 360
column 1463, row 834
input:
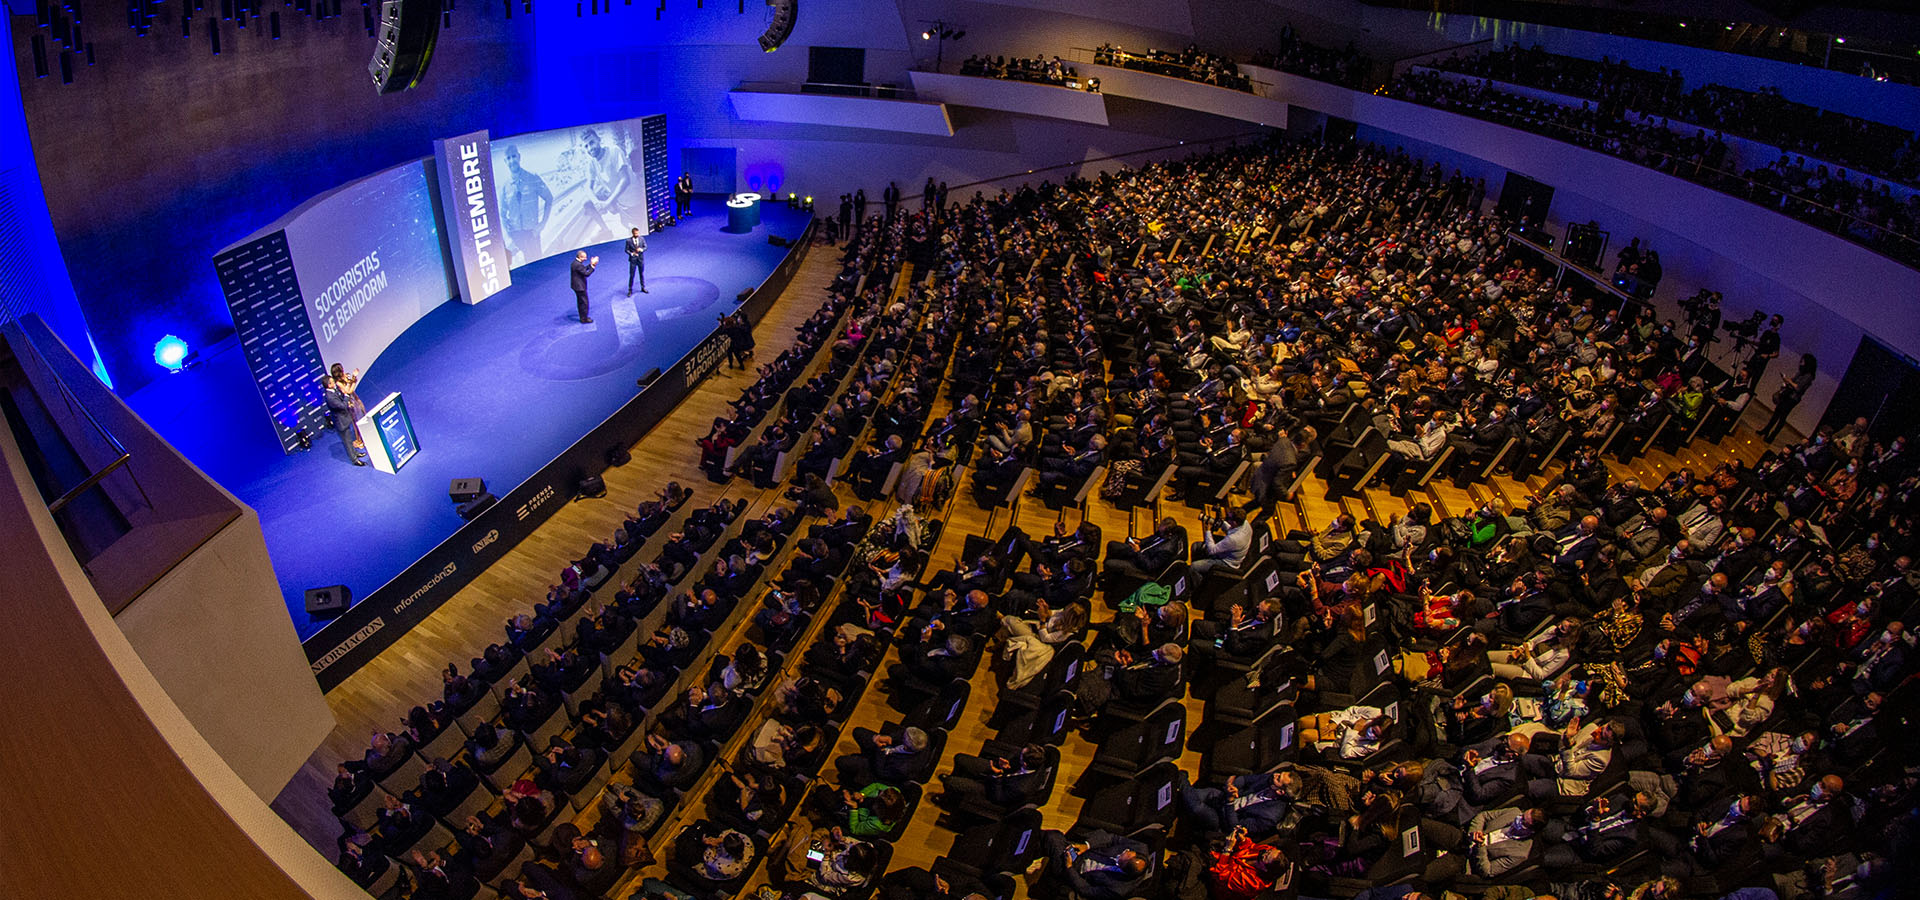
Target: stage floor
column 495, row 390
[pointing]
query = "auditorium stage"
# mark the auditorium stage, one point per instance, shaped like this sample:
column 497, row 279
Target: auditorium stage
column 496, row 391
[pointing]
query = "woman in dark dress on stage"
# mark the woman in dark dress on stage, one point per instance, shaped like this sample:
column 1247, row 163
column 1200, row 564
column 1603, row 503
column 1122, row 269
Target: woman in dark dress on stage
column 349, row 383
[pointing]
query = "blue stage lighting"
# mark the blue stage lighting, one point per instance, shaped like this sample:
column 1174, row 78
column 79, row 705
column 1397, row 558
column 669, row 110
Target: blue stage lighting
column 99, row 365
column 170, row 352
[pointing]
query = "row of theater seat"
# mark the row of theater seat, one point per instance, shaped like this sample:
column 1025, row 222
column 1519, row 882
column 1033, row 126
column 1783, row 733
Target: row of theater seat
column 396, row 802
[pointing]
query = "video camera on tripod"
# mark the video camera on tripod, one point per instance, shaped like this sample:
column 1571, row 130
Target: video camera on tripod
column 1745, row 330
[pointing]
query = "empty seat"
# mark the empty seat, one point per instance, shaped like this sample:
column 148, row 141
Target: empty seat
column 1261, row 747
column 1007, row 846
column 1131, row 805
column 1160, row 735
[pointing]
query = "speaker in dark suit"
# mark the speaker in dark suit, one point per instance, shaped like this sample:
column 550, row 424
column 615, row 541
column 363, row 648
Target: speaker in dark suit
column 582, row 267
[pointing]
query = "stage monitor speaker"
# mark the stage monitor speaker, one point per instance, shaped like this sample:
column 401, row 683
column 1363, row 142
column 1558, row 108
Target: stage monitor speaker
column 330, row 601
column 778, row 241
column 743, row 295
column 461, row 490
column 476, row 506
column 781, row 27
column 618, row 455
column 591, row 487
column 404, row 43
column 650, row 377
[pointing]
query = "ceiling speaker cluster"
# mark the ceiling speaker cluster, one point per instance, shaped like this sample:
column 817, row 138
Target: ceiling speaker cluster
column 404, row 44
column 781, row 27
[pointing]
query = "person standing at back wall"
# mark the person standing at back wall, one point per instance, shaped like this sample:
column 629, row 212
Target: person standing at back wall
column 683, row 196
column 637, row 261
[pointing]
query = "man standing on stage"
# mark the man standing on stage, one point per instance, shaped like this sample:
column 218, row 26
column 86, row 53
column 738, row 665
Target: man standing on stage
column 637, row 261
column 340, row 414
column 683, row 196
column 582, row 267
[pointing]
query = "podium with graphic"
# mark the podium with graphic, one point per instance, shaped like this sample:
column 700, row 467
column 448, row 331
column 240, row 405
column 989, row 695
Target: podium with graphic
column 743, row 213
column 387, row 430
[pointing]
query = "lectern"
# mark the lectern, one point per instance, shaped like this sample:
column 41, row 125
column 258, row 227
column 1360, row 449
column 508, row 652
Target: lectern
column 387, row 430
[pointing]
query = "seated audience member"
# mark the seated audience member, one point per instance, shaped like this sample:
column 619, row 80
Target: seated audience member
column 1244, row 804
column 489, row 847
column 1350, row 733
column 1226, row 543
column 364, row 867
column 1245, row 869
column 897, row 758
column 1501, row 840
column 663, row 765
column 1138, row 681
column 715, row 854
column 1145, row 558
column 1100, row 866
column 1008, row 781
column 437, row 878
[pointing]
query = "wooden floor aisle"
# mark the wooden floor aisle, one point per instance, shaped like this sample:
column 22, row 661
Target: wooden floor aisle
column 408, row 673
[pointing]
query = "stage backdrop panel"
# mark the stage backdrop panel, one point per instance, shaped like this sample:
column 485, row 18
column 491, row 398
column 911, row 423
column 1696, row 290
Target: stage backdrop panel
column 470, row 215
column 569, row 188
column 653, row 155
column 370, row 262
column 271, row 320
column 334, row 281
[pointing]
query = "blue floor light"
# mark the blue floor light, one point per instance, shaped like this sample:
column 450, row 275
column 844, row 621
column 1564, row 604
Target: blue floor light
column 170, row 352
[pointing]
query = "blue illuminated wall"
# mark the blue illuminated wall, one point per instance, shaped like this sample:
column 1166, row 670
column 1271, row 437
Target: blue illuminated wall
column 163, row 154
column 33, row 275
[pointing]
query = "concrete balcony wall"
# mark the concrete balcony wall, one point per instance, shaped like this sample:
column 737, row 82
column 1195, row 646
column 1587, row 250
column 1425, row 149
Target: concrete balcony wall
column 1026, row 98
column 756, row 103
column 1206, row 98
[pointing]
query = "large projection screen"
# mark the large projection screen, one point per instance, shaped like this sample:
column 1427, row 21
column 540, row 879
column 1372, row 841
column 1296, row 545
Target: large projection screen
column 569, row 188
column 370, row 262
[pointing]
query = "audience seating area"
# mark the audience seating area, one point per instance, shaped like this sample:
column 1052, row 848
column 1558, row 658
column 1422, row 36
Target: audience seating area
column 1869, row 147
column 1345, row 66
column 1643, row 116
column 1191, row 64
column 1677, row 688
column 1038, row 70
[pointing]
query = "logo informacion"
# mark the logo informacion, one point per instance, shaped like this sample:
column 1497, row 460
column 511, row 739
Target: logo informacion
column 346, row 646
column 534, row 502
column 487, row 541
column 436, row 579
